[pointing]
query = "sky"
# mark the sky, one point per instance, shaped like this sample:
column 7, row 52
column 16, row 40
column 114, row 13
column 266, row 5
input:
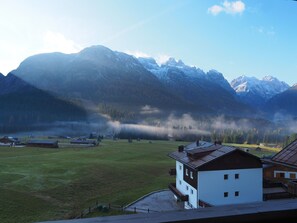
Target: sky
column 240, row 37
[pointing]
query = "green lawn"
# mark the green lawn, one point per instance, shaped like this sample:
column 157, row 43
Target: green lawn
column 44, row 184
column 265, row 150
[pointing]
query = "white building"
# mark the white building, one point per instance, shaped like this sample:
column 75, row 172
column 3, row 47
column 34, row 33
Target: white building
column 212, row 174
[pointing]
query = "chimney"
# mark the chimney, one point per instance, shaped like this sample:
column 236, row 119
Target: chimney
column 197, row 142
column 217, row 143
column 180, row 148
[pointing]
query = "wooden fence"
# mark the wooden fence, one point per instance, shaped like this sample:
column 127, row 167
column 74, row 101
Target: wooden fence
column 104, row 208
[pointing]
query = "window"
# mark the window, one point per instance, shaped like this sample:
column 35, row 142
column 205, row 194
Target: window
column 192, row 191
column 225, row 176
column 236, row 193
column 187, row 187
column 237, row 176
column 292, row 175
column 280, row 175
column 180, row 182
column 187, row 172
column 225, row 194
column 189, row 204
column 191, row 174
column 180, row 167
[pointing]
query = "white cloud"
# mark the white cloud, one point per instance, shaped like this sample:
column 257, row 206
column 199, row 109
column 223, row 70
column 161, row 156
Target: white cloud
column 216, row 9
column 268, row 31
column 13, row 54
column 137, row 54
column 160, row 59
column 149, row 110
column 163, row 58
column 235, row 7
column 57, row 42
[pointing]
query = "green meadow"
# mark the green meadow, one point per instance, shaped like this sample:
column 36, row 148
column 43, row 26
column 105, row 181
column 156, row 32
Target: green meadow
column 38, row 184
column 44, row 184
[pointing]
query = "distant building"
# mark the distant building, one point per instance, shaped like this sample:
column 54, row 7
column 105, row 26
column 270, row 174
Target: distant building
column 84, row 141
column 9, row 141
column 210, row 174
column 43, row 143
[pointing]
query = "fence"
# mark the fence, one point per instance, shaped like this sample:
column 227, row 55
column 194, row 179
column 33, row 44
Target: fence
column 104, row 208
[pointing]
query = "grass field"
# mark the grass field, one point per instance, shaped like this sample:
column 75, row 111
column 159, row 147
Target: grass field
column 38, row 184
column 265, row 150
column 41, row 184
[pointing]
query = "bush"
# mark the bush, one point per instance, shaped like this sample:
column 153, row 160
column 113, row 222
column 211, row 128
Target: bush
column 105, row 209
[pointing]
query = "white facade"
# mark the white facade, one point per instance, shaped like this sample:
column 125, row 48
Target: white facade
column 241, row 186
column 186, row 188
column 221, row 187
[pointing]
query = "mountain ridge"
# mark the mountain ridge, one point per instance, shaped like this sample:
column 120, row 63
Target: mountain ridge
column 254, row 91
column 122, row 85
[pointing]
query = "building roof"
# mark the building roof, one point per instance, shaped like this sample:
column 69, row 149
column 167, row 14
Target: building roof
column 8, row 139
column 197, row 155
column 42, row 142
column 287, row 155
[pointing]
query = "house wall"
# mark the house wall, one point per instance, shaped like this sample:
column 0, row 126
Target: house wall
column 212, row 186
column 274, row 173
column 185, row 188
column 190, row 176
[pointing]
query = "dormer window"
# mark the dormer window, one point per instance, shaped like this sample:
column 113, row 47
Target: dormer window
column 191, row 175
column 187, row 172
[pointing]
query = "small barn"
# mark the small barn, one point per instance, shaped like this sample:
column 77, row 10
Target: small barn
column 84, row 141
column 43, row 143
column 6, row 140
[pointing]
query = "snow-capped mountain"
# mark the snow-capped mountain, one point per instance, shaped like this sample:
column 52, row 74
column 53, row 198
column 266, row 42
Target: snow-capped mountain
column 171, row 64
column 173, row 68
column 193, row 84
column 256, row 92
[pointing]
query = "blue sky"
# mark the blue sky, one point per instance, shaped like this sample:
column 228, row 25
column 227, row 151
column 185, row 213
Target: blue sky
column 247, row 37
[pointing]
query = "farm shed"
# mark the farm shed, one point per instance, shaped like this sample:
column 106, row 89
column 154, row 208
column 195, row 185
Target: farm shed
column 6, row 140
column 84, row 142
column 43, row 143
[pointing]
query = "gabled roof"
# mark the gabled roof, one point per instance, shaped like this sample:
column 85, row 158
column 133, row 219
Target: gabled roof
column 200, row 156
column 42, row 142
column 287, row 155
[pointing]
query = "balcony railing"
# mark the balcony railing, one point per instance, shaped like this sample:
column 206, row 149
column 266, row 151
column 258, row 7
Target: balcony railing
column 292, row 187
column 204, row 204
column 172, row 172
column 177, row 193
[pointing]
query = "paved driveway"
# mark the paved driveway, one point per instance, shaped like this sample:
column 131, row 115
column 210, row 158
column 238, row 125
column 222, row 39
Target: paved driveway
column 156, row 202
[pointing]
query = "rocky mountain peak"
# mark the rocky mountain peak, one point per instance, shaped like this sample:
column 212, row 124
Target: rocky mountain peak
column 174, row 63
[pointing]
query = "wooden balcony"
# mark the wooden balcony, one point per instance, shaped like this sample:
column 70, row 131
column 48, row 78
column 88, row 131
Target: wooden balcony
column 172, row 172
column 177, row 193
column 292, row 187
column 204, row 204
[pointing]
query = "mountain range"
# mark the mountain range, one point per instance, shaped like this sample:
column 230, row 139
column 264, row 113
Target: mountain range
column 57, row 84
column 26, row 108
column 257, row 92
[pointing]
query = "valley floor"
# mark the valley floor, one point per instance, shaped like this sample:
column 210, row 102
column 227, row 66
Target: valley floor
column 39, row 184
